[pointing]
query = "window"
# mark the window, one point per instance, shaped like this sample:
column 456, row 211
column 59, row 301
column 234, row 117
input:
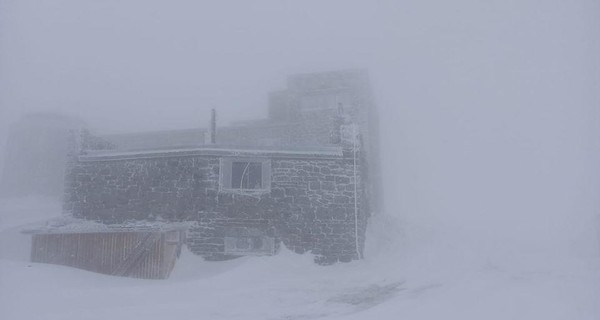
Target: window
column 251, row 175
column 246, row 175
column 249, row 245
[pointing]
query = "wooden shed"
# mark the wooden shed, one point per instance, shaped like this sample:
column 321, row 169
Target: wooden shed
column 147, row 252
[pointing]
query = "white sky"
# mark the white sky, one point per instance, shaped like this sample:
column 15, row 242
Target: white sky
column 490, row 109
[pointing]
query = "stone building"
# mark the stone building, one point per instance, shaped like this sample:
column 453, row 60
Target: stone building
column 305, row 177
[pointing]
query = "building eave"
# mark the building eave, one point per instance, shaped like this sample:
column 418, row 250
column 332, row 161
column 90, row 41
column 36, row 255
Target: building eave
column 333, row 152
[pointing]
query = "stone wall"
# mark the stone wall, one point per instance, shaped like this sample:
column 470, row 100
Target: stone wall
column 310, row 206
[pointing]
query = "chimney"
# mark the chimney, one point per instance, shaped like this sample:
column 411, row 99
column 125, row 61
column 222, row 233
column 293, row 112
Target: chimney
column 213, row 126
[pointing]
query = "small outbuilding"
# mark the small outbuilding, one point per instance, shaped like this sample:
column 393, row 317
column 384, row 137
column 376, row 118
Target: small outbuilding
column 134, row 250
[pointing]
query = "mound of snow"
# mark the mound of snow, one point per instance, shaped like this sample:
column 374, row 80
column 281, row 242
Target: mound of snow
column 410, row 271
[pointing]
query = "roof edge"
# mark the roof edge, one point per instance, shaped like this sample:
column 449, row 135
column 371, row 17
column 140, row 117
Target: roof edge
column 219, row 151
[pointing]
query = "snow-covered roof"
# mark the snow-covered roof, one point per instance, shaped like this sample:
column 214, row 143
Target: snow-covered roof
column 217, row 150
column 73, row 225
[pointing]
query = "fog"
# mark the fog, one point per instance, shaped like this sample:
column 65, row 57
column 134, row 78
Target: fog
column 489, row 110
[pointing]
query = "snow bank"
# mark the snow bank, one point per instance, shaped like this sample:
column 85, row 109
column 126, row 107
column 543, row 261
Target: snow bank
column 457, row 274
column 15, row 214
column 413, row 272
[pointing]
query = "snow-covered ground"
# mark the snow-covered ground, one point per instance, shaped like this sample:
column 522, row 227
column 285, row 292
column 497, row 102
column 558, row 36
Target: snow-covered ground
column 414, row 272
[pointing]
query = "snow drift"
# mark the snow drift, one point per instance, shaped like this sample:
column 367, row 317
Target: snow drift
column 413, row 272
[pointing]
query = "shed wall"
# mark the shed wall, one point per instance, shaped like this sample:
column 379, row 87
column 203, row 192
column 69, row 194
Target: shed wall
column 144, row 255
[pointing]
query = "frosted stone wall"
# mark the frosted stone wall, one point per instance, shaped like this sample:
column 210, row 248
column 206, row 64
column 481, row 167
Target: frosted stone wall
column 309, row 207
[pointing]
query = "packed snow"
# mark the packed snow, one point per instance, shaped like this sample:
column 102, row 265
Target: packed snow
column 410, row 272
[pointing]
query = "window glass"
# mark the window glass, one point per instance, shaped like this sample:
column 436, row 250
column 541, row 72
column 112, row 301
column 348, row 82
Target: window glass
column 246, row 175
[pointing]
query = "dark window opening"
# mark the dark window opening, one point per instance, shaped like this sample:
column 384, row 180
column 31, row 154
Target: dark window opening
column 249, row 243
column 246, row 175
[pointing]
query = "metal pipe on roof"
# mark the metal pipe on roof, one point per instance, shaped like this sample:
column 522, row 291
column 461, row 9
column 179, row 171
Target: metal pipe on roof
column 213, row 126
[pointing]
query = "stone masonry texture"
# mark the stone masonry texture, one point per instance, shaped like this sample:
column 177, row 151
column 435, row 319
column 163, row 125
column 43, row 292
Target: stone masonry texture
column 310, row 206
